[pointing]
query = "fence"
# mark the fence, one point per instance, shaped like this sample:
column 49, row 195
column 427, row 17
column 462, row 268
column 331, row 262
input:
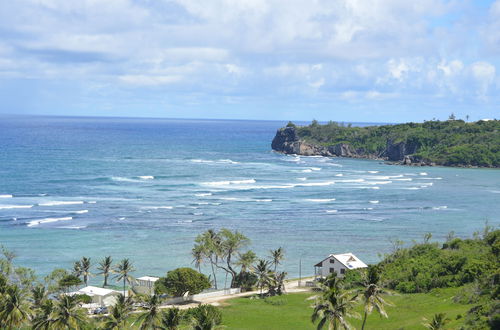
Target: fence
column 203, row 295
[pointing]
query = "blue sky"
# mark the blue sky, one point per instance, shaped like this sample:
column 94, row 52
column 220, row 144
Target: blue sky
column 345, row 60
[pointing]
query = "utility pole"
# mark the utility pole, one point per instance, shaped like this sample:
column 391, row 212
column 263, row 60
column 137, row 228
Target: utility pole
column 300, row 271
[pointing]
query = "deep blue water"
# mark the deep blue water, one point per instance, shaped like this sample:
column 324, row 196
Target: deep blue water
column 144, row 188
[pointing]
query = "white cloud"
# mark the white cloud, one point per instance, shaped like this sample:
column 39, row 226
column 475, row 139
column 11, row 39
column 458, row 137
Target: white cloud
column 484, row 74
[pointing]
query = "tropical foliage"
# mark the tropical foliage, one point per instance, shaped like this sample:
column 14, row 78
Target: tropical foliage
column 181, row 281
column 452, row 142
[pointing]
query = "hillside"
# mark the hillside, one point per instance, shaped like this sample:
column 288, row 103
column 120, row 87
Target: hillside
column 448, row 143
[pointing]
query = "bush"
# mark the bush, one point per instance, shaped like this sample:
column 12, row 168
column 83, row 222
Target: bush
column 182, row 280
column 246, row 281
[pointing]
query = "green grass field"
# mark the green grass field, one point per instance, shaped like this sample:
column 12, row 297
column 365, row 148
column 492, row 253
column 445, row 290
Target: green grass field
column 293, row 311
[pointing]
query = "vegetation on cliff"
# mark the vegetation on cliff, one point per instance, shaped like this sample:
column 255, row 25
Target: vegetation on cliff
column 449, row 143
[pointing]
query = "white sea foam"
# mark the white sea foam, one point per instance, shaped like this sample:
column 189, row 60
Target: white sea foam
column 197, row 213
column 340, row 174
column 314, row 184
column 264, row 200
column 306, row 171
column 403, row 179
column 146, row 177
column 6, row 196
column 444, row 207
column 302, row 179
column 157, row 207
column 378, row 182
column 203, row 203
column 368, row 208
column 494, row 191
column 374, row 202
column 201, row 161
column 331, row 211
column 373, row 172
column 229, row 182
column 438, row 178
column 123, row 179
column 72, row 227
column 81, row 212
column 320, row 200
column 203, row 194
column 15, row 207
column 413, row 188
column 351, row 180
column 215, row 203
column 316, row 168
column 56, row 203
column 228, row 161
column 47, row 220
column 423, row 173
column 91, row 202
column 121, row 218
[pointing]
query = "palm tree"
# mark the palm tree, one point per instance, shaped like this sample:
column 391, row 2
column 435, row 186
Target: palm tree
column 332, row 308
column 262, row 272
column 39, row 295
column 15, row 310
column 119, row 313
column 77, row 269
column 209, row 244
column 67, row 313
column 42, row 319
column 246, row 260
column 197, row 253
column 276, row 283
column 277, row 257
column 171, row 319
column 231, row 244
column 123, row 270
column 372, row 294
column 152, row 317
column 438, row 322
column 105, row 268
column 85, row 269
column 206, row 317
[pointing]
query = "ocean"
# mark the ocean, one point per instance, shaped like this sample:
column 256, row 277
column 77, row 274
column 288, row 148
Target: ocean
column 145, row 188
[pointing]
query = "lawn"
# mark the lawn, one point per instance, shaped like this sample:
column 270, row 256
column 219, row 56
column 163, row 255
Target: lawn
column 293, row 311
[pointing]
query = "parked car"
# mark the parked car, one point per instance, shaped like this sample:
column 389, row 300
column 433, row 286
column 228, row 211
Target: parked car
column 101, row 310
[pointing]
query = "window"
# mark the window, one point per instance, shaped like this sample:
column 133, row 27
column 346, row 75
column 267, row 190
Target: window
column 332, row 270
column 332, row 261
column 342, row 271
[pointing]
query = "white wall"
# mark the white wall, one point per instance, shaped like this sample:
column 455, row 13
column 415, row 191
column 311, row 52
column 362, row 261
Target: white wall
column 337, row 267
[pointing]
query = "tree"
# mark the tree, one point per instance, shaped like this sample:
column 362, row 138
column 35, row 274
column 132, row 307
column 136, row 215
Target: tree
column 372, row 294
column 276, row 283
column 152, row 316
column 105, row 267
column 209, row 245
column 52, row 280
column 69, row 281
column 197, row 253
column 181, row 281
column 231, row 244
column 119, row 313
column 262, row 272
column 171, row 319
column 39, row 295
column 246, row 260
column 123, row 270
column 15, row 310
column 333, row 306
column 205, row 317
column 67, row 314
column 42, row 318
column 438, row 322
column 85, row 269
column 277, row 257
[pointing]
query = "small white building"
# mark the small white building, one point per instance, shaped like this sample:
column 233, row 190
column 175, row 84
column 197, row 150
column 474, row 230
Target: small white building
column 337, row 263
column 145, row 284
column 100, row 296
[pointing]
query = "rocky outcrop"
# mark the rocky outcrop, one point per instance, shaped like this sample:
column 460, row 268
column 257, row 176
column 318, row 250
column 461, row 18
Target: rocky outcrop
column 287, row 141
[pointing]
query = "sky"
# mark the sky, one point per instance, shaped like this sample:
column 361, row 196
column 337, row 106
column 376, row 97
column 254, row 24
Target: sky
column 343, row 60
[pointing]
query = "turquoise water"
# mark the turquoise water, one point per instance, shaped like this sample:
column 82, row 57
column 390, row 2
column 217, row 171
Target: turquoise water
column 144, row 188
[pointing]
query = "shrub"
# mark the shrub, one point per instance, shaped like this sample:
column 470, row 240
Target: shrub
column 182, row 280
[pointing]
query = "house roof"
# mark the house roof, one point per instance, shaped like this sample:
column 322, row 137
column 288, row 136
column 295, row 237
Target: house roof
column 349, row 260
column 148, row 278
column 96, row 291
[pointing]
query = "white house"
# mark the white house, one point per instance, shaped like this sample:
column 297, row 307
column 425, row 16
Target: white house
column 145, row 284
column 337, row 263
column 100, row 296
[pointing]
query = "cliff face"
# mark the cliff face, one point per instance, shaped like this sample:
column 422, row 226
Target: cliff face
column 287, row 141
